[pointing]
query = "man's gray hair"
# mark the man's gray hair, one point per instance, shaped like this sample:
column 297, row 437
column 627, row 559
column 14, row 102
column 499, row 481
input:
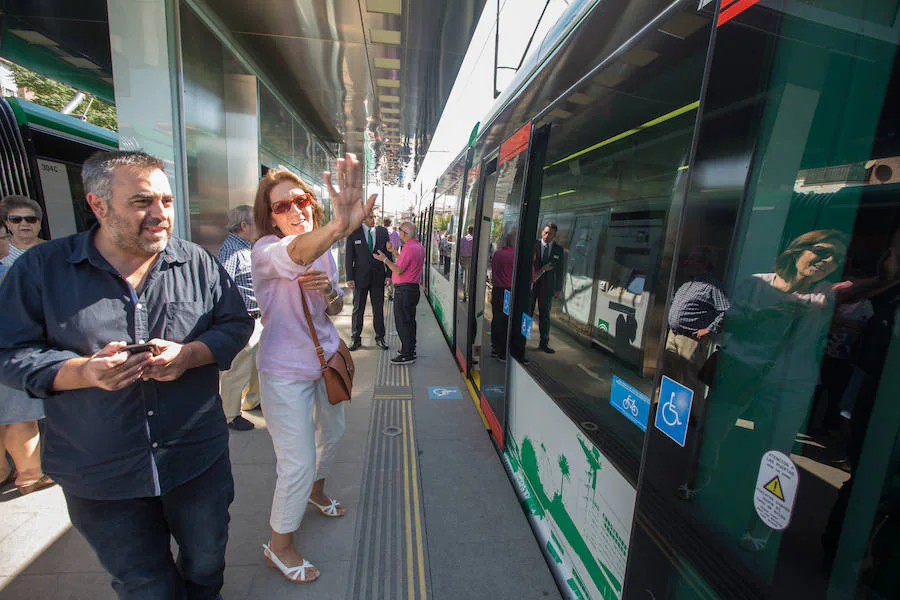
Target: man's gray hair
column 410, row 228
column 100, row 168
column 237, row 215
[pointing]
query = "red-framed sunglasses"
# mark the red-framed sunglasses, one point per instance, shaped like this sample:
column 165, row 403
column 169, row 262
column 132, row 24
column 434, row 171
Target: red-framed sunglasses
column 282, row 206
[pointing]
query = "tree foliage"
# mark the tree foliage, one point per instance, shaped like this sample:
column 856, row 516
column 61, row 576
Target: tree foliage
column 55, row 95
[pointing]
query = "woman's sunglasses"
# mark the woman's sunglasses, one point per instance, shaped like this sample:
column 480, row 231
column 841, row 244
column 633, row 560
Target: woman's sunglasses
column 16, row 219
column 825, row 253
column 283, row 206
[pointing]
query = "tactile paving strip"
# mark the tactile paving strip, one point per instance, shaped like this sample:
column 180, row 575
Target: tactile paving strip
column 391, row 559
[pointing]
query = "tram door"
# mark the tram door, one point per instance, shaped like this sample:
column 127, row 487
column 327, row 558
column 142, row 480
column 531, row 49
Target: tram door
column 424, row 239
column 467, row 354
column 776, row 474
column 500, row 212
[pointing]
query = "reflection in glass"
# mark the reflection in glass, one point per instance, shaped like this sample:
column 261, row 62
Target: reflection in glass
column 611, row 174
column 794, row 196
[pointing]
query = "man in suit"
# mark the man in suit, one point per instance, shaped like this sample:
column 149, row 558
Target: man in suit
column 367, row 276
column 551, row 257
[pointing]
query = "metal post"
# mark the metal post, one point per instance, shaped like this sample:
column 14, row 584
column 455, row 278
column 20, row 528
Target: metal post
column 496, row 48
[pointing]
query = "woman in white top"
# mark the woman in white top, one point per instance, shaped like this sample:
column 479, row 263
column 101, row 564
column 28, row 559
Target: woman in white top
column 18, row 412
column 292, row 251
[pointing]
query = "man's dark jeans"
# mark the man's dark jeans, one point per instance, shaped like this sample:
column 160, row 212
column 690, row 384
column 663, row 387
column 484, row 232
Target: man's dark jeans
column 406, row 297
column 499, row 322
column 131, row 537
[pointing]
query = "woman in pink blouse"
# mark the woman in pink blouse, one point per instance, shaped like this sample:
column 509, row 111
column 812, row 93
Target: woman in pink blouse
column 292, row 251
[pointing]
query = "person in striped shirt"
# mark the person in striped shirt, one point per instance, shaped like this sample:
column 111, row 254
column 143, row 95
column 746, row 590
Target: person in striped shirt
column 695, row 317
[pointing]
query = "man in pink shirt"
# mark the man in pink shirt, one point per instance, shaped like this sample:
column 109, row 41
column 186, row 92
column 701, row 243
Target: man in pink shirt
column 406, row 273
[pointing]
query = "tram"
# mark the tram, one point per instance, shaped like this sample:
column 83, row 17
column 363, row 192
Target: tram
column 43, row 151
column 673, row 146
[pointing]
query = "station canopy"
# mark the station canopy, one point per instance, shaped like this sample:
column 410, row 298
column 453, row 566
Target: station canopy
column 357, row 71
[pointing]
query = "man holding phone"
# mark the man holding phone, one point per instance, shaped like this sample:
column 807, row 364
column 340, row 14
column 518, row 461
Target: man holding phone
column 122, row 330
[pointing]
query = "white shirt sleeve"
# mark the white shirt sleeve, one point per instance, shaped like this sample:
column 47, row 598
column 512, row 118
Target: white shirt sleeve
column 271, row 259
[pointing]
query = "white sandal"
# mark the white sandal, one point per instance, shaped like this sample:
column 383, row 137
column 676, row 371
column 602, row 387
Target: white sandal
column 329, row 510
column 296, row 574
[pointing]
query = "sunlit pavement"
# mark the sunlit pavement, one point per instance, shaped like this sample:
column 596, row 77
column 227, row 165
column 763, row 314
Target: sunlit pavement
column 477, row 540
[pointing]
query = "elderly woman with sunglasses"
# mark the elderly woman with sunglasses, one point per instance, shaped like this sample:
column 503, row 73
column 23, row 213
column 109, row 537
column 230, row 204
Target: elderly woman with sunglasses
column 19, row 413
column 292, row 252
column 22, row 217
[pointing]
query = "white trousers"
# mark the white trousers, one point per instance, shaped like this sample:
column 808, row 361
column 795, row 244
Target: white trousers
column 239, row 385
column 305, row 430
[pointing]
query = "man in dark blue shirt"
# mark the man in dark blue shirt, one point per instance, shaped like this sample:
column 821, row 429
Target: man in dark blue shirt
column 137, row 439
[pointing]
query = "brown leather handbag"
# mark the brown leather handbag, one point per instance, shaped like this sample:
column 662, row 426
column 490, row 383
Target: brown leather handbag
column 338, row 371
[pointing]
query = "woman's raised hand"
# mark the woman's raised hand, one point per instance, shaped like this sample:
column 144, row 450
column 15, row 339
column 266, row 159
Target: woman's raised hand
column 347, row 204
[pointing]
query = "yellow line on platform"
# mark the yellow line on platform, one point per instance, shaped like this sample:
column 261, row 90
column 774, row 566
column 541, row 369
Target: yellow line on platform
column 420, row 553
column 406, row 507
column 477, row 402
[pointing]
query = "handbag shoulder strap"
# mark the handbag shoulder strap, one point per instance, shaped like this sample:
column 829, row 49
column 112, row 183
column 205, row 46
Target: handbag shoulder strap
column 312, row 330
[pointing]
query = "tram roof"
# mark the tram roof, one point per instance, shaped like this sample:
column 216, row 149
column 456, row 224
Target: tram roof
column 42, row 118
column 352, row 69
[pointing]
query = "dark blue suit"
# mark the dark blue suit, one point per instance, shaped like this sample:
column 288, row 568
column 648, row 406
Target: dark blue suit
column 368, row 275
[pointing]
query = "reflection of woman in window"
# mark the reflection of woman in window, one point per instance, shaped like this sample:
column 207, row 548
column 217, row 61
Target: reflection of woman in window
column 767, row 371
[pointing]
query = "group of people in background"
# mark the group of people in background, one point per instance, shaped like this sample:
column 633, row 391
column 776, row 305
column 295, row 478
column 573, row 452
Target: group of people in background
column 127, row 324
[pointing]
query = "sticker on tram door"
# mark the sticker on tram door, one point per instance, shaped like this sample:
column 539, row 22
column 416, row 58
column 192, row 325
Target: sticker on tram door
column 527, row 322
column 776, row 489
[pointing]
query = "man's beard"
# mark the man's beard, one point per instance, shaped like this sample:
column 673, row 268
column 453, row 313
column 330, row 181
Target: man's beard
column 134, row 241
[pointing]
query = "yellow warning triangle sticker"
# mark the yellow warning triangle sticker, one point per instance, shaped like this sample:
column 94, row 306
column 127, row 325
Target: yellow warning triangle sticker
column 774, row 486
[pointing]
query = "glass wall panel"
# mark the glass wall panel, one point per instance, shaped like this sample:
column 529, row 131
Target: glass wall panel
column 205, row 131
column 782, row 482
column 616, row 160
column 287, row 142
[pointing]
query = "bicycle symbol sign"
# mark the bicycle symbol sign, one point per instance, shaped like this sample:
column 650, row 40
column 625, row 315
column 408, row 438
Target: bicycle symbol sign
column 630, row 405
column 634, row 405
column 674, row 410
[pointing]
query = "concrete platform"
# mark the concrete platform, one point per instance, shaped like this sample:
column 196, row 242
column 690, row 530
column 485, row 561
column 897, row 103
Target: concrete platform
column 475, row 539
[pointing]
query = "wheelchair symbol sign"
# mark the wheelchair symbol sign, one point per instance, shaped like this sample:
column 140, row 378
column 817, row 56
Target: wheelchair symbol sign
column 674, row 410
column 494, row 391
column 450, row 393
column 506, row 302
column 526, row 326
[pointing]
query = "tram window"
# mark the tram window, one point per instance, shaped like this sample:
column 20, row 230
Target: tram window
column 445, row 223
column 610, row 176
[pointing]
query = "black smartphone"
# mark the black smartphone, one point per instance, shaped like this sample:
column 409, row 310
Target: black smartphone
column 137, row 348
